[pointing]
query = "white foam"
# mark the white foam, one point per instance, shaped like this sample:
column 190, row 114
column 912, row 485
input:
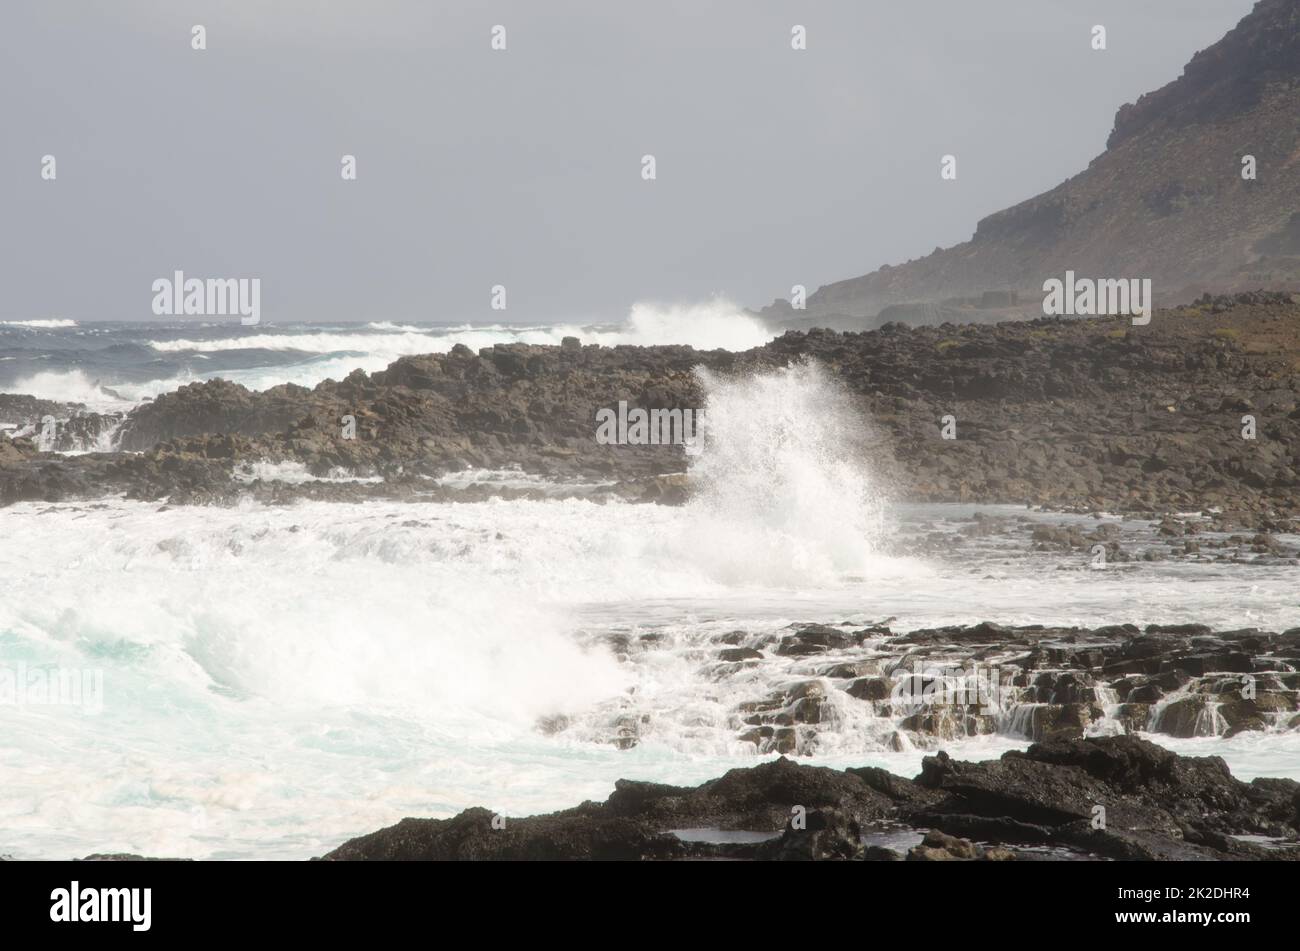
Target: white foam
column 399, row 344
column 279, row 679
column 294, row 473
column 716, row 324
column 74, row 386
column 335, row 354
column 508, row 478
column 294, row 676
column 388, row 325
column 712, row 325
column 50, row 324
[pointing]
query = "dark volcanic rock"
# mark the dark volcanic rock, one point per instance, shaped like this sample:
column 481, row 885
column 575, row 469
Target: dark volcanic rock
column 579, row 834
column 1120, row 796
column 1154, row 805
column 928, row 687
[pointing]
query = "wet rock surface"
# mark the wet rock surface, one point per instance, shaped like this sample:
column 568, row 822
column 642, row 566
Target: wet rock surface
column 874, row 688
column 1043, row 683
column 1112, row 797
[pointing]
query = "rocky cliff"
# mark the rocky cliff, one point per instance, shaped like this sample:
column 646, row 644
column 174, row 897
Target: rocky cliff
column 1167, row 200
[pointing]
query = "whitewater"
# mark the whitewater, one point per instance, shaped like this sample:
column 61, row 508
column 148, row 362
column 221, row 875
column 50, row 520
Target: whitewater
column 111, row 367
column 279, row 679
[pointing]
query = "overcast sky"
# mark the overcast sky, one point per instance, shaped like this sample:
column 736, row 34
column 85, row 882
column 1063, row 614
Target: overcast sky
column 523, row 167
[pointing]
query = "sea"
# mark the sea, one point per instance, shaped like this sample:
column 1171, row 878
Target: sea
column 269, row 681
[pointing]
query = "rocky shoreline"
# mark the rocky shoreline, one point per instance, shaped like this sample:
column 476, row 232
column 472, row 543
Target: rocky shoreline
column 1105, row 798
column 1069, row 796
column 935, row 685
column 1095, row 799
column 1075, row 415
column 1090, row 786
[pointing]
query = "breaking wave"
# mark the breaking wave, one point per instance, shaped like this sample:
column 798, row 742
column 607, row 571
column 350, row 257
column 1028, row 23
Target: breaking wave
column 114, row 367
column 50, row 324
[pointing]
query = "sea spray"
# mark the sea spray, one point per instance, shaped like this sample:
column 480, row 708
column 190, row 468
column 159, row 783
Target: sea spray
column 785, row 491
column 716, row 324
column 314, row 671
column 709, row 326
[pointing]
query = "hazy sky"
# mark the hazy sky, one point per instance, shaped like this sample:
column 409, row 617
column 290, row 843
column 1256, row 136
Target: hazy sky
column 523, row 167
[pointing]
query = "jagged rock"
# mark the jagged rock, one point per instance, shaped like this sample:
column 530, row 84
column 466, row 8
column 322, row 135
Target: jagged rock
column 870, row 688
column 1190, row 716
column 814, row 639
column 578, row 834
column 1157, row 805
column 826, row 834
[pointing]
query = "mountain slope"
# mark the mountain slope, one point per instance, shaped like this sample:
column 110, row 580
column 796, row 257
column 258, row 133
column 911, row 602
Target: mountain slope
column 1165, row 201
